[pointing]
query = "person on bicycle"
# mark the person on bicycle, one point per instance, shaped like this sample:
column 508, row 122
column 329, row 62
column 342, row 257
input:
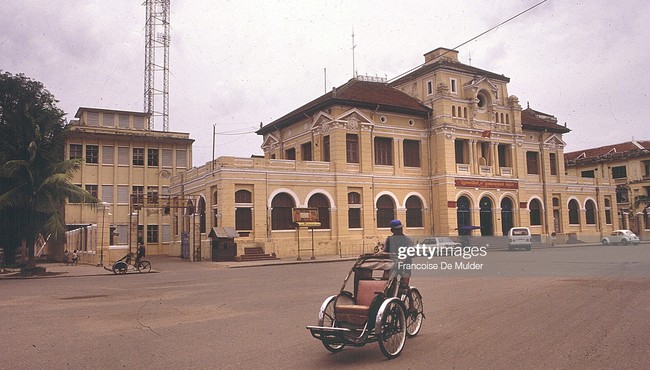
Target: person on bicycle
column 139, row 255
column 394, row 242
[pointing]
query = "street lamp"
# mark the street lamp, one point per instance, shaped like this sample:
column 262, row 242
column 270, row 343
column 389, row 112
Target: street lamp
column 103, row 206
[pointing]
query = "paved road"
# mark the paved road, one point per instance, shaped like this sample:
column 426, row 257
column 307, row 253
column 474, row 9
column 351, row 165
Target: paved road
column 582, row 307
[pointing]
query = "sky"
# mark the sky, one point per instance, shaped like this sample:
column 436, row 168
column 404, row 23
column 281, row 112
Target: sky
column 236, row 64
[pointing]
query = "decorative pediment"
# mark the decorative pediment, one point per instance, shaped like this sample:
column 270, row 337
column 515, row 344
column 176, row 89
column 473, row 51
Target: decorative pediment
column 270, row 143
column 476, row 81
column 321, row 118
column 554, row 141
column 355, row 118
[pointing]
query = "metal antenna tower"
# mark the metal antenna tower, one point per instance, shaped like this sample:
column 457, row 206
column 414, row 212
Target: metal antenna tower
column 156, row 38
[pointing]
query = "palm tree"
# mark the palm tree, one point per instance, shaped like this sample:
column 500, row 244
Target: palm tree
column 34, row 177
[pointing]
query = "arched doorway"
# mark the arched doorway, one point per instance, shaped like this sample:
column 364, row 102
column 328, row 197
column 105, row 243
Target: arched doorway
column 485, row 211
column 506, row 216
column 463, row 215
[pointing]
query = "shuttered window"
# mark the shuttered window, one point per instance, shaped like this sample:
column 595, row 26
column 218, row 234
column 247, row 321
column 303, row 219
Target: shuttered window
column 107, row 193
column 167, row 158
column 123, row 194
column 181, row 158
column 108, row 155
column 123, row 157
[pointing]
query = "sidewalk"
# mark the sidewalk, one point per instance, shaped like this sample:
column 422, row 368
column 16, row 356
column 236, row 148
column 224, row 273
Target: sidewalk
column 159, row 264
column 162, row 263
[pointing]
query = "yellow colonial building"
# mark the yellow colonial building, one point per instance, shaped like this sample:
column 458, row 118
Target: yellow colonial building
column 122, row 160
column 627, row 165
column 444, row 148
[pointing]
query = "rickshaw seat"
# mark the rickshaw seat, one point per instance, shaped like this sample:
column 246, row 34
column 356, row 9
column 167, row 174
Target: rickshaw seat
column 366, row 292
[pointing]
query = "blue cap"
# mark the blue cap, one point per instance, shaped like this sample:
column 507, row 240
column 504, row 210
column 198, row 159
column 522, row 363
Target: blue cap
column 396, row 224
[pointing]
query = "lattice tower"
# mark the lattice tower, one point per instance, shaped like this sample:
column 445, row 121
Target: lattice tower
column 156, row 40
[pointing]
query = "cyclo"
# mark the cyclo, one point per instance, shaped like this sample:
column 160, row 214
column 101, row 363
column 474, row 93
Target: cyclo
column 376, row 310
column 122, row 265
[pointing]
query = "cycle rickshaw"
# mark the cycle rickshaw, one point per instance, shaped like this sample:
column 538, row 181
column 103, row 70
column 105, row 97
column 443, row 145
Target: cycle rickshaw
column 122, row 265
column 377, row 309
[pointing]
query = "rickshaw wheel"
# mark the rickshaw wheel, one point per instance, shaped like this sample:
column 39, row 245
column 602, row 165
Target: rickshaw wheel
column 414, row 315
column 393, row 330
column 145, row 266
column 328, row 320
column 119, row 268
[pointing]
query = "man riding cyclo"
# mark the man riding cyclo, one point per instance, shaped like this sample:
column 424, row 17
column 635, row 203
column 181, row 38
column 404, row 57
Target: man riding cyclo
column 391, row 246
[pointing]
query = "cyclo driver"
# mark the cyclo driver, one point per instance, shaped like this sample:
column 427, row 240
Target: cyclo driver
column 393, row 243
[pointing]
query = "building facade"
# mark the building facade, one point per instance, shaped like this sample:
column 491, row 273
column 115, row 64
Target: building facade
column 627, row 165
column 122, row 160
column 444, row 148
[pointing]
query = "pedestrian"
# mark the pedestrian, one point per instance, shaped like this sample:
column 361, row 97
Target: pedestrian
column 75, row 257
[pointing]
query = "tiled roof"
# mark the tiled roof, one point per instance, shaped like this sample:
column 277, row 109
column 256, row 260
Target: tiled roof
column 451, row 65
column 608, row 152
column 356, row 93
column 538, row 121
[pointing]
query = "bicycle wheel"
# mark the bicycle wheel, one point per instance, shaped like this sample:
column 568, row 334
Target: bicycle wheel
column 392, row 334
column 119, row 268
column 328, row 320
column 414, row 312
column 145, row 266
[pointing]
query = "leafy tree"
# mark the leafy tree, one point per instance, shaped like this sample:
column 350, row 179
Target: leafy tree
column 34, row 177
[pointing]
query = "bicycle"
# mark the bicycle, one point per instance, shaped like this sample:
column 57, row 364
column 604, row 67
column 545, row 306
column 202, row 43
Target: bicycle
column 121, row 266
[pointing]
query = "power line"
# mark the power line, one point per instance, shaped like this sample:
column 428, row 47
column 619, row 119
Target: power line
column 473, row 38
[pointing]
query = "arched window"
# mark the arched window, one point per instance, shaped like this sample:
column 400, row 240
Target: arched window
column 535, row 212
column 385, row 211
column 414, row 212
column 354, row 210
column 608, row 211
column 281, row 208
column 590, row 212
column 453, row 111
column 463, row 215
column 243, row 210
column 201, row 215
column 321, row 202
column 574, row 214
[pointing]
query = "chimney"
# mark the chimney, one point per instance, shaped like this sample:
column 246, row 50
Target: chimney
column 440, row 53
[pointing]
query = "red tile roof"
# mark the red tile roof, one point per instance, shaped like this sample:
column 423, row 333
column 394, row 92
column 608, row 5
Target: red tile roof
column 608, row 152
column 538, row 121
column 355, row 93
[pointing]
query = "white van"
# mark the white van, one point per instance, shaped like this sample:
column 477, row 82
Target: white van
column 519, row 237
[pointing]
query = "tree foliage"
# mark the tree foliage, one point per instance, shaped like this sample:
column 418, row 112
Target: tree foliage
column 34, row 176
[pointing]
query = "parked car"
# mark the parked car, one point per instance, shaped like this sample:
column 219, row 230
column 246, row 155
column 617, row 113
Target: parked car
column 441, row 242
column 519, row 237
column 623, row 237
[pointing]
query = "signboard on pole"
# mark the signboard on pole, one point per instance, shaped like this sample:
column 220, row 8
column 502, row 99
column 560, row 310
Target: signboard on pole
column 306, row 217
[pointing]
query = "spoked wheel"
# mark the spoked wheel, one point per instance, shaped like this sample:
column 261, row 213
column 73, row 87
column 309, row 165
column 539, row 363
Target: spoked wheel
column 414, row 312
column 327, row 319
column 145, row 266
column 392, row 333
column 120, row 268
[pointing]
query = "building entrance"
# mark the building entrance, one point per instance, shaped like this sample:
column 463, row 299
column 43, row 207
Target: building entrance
column 487, row 225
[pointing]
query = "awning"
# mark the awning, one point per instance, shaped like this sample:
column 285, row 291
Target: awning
column 223, row 232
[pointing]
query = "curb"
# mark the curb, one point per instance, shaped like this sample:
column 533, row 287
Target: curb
column 282, row 263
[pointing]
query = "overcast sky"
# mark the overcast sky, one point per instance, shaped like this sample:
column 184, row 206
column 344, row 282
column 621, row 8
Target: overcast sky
column 238, row 63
